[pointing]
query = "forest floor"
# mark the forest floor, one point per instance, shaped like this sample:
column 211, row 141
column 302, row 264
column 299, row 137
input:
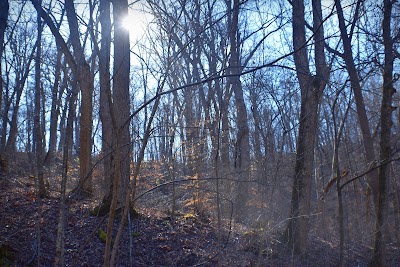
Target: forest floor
column 154, row 238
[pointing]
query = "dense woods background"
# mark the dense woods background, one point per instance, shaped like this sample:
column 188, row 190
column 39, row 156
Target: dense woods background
column 260, row 118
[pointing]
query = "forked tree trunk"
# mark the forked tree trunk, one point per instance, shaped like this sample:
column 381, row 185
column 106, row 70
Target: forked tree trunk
column 82, row 73
column 311, row 88
column 242, row 145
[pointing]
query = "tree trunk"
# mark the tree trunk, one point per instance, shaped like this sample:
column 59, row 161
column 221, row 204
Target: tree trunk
column 3, row 25
column 63, row 214
column 120, row 121
column 38, row 138
column 242, row 145
column 82, row 73
column 3, row 22
column 311, row 88
column 55, row 111
column 367, row 139
column 13, row 133
column 385, row 140
column 121, row 81
column 87, row 85
column 105, row 95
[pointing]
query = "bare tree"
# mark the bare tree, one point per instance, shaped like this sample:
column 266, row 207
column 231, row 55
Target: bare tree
column 22, row 61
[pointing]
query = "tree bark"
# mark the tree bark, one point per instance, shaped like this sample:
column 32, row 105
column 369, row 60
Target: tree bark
column 121, row 82
column 120, row 121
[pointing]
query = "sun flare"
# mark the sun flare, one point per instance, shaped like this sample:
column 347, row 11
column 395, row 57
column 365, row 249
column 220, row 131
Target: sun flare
column 136, row 23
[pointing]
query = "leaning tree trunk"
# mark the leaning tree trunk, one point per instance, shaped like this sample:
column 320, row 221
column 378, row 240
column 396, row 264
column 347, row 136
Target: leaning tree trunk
column 21, row 79
column 311, row 88
column 367, row 139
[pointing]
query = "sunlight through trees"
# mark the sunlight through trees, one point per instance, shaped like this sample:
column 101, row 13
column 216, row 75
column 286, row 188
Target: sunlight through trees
column 273, row 123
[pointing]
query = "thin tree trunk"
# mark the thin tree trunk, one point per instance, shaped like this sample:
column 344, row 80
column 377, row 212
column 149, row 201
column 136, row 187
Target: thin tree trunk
column 38, row 138
column 55, row 111
column 60, row 241
column 338, row 132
